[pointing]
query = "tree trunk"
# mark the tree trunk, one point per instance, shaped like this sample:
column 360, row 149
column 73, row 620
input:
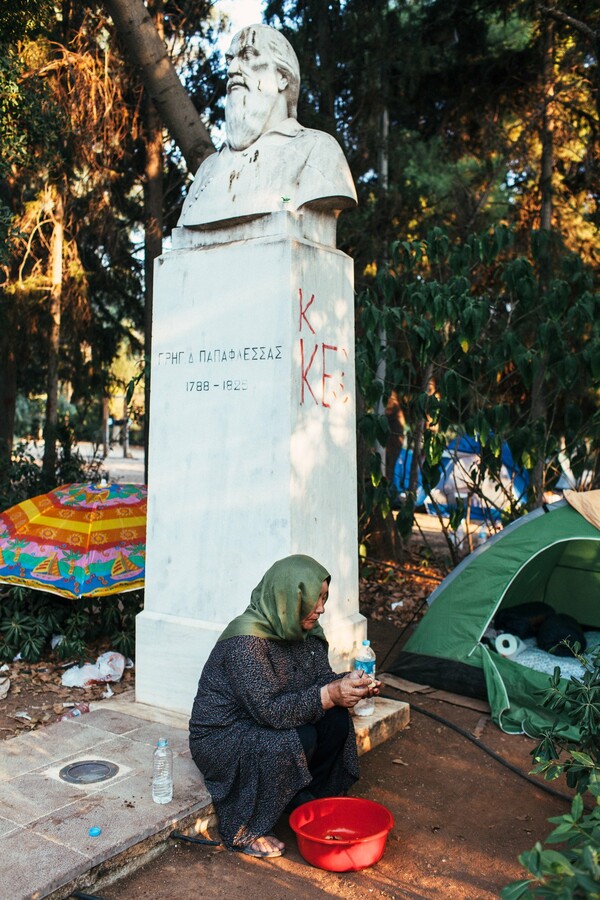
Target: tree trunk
column 386, row 468
column 153, row 225
column 8, row 377
column 105, row 428
column 56, row 275
column 146, row 49
column 125, row 429
column 547, row 135
column 538, row 411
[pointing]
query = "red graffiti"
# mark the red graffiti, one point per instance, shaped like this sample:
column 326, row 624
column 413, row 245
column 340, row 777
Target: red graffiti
column 329, row 390
column 306, row 370
column 326, row 374
column 304, row 310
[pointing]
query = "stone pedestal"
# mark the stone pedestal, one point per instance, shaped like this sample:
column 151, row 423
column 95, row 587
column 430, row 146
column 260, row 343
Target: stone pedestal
column 252, row 444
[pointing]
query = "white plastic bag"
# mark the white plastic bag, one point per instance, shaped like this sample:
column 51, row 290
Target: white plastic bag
column 108, row 667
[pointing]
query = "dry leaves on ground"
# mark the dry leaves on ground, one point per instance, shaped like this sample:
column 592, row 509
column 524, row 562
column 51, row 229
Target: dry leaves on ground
column 36, row 696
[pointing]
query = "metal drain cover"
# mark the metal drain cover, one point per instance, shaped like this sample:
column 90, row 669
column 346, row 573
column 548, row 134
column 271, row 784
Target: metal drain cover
column 88, row 771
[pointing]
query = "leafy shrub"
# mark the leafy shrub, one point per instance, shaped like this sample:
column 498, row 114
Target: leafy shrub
column 30, row 619
column 21, row 476
column 573, row 870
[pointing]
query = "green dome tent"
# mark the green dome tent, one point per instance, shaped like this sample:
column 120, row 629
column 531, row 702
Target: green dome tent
column 550, row 555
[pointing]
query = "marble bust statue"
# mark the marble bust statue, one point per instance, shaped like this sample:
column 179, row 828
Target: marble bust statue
column 268, row 162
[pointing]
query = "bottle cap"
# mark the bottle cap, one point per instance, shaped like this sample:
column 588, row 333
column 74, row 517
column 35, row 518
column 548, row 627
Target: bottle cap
column 95, row 831
column 366, row 643
column 162, row 742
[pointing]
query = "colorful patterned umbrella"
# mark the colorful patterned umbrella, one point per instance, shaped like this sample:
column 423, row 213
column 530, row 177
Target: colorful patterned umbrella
column 77, row 540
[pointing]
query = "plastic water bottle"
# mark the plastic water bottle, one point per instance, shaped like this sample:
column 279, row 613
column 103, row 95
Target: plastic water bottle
column 74, row 712
column 365, row 660
column 162, row 774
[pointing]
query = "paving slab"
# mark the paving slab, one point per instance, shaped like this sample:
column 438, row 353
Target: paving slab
column 49, row 819
column 46, row 820
column 32, row 751
column 34, row 866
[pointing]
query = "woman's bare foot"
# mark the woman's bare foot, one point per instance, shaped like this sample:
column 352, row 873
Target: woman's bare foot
column 265, row 847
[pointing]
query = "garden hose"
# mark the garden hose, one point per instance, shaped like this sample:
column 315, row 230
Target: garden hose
column 471, row 737
column 81, row 896
column 179, row 836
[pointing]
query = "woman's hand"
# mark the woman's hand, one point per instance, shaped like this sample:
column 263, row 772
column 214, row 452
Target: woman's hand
column 347, row 691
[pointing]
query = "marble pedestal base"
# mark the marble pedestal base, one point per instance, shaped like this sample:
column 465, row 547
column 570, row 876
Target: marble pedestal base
column 252, row 446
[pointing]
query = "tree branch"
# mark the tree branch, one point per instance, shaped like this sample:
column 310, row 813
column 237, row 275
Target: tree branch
column 560, row 16
column 147, row 50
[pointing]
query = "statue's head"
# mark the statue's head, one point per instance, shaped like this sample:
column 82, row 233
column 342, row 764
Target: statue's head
column 263, row 82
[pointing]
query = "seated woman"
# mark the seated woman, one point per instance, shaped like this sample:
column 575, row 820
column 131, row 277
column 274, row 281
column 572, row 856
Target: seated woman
column 270, row 726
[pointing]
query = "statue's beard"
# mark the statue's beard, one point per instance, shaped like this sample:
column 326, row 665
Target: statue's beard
column 246, row 115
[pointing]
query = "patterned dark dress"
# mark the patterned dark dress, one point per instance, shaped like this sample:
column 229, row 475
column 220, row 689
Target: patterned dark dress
column 252, row 695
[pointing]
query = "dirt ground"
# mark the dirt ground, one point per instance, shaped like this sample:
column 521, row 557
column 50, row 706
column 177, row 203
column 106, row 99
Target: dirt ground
column 462, row 813
column 35, row 696
column 461, row 819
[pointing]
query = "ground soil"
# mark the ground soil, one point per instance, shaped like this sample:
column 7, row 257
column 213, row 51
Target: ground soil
column 36, row 696
column 458, row 788
column 462, row 817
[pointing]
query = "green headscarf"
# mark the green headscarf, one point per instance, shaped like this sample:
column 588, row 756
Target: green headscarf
column 286, row 594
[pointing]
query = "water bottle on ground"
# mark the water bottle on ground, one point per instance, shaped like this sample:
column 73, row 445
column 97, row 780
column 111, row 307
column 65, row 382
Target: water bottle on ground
column 162, row 774
column 365, row 660
column 74, row 712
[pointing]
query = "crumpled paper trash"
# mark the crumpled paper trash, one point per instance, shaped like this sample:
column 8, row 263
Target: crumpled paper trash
column 4, row 686
column 108, row 667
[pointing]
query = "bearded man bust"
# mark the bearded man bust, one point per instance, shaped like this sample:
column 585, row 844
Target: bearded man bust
column 269, row 162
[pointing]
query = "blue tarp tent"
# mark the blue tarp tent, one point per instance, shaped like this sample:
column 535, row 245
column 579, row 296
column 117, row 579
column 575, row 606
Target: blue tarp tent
column 485, row 498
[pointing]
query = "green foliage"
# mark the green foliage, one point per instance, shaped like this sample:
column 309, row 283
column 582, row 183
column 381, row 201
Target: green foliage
column 483, row 342
column 30, row 619
column 572, row 870
column 21, row 475
column 459, row 84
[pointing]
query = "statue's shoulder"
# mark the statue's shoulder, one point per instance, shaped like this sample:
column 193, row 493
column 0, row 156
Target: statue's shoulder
column 324, row 172
column 310, row 138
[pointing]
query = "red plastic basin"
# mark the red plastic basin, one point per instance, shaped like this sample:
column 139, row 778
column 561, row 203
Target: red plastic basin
column 341, row 834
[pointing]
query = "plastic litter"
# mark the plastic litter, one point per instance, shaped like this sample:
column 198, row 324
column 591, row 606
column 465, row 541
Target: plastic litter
column 108, row 667
column 4, row 687
column 94, row 831
column 75, row 712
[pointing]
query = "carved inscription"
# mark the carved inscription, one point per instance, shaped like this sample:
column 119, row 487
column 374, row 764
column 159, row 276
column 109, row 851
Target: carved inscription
column 219, row 355
column 205, row 366
column 219, row 369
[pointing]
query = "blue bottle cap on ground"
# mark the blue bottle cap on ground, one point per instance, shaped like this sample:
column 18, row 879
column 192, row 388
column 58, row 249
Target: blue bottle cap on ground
column 95, row 831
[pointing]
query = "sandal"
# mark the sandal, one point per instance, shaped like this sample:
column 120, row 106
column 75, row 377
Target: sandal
column 262, row 854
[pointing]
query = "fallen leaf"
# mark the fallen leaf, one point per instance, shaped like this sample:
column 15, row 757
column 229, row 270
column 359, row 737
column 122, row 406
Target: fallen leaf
column 399, row 762
column 480, row 727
